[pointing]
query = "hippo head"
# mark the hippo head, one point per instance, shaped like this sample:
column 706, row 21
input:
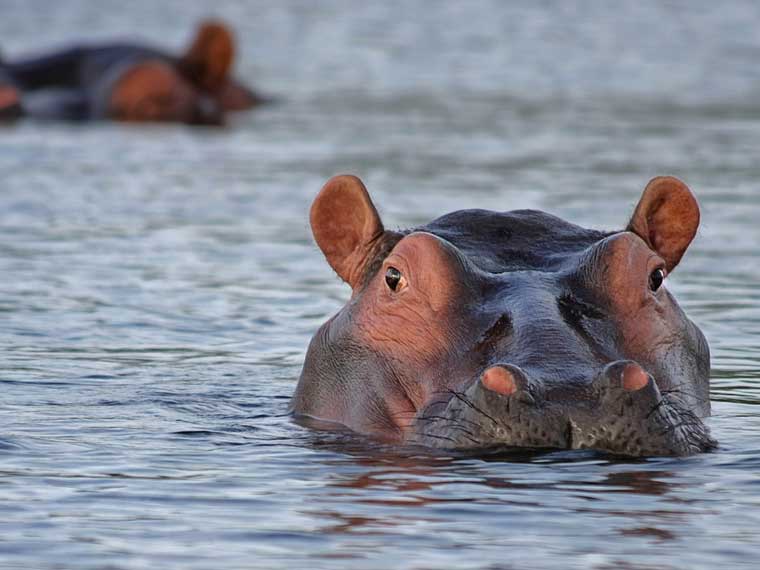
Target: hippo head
column 490, row 329
column 153, row 91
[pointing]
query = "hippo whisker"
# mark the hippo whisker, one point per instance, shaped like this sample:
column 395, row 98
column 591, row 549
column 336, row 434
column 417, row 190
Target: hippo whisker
column 441, row 418
column 466, row 402
column 434, row 436
column 469, row 438
column 664, row 402
column 679, row 426
column 451, row 424
column 679, row 391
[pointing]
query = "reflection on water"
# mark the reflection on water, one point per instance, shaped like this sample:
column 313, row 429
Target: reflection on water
column 160, row 286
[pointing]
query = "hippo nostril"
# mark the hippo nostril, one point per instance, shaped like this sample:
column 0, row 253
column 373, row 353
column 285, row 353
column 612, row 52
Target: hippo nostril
column 633, row 378
column 499, row 379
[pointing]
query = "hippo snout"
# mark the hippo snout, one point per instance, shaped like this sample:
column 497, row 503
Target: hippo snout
column 621, row 410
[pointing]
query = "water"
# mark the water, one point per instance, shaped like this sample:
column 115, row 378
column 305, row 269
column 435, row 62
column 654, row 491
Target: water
column 159, row 285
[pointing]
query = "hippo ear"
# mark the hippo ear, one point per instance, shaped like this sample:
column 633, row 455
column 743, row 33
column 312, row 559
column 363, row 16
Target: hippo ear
column 208, row 60
column 345, row 224
column 667, row 218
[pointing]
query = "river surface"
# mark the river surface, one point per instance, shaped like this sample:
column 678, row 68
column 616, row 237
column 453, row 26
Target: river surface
column 159, row 285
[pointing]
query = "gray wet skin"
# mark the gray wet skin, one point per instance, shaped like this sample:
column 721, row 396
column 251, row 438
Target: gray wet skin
column 484, row 329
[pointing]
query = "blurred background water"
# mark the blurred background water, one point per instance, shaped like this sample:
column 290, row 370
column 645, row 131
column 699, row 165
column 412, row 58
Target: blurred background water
column 159, row 285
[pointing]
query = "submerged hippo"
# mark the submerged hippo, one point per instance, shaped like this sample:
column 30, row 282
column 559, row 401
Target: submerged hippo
column 490, row 329
column 129, row 82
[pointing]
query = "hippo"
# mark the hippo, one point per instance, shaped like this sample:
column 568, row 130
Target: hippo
column 484, row 331
column 129, row 82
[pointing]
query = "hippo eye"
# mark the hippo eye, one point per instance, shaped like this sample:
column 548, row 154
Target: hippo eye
column 656, row 278
column 393, row 278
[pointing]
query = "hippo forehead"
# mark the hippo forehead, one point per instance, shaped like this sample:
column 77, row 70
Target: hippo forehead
column 519, row 240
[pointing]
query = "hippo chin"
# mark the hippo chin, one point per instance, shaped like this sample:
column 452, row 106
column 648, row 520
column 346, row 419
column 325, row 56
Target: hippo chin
column 484, row 330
